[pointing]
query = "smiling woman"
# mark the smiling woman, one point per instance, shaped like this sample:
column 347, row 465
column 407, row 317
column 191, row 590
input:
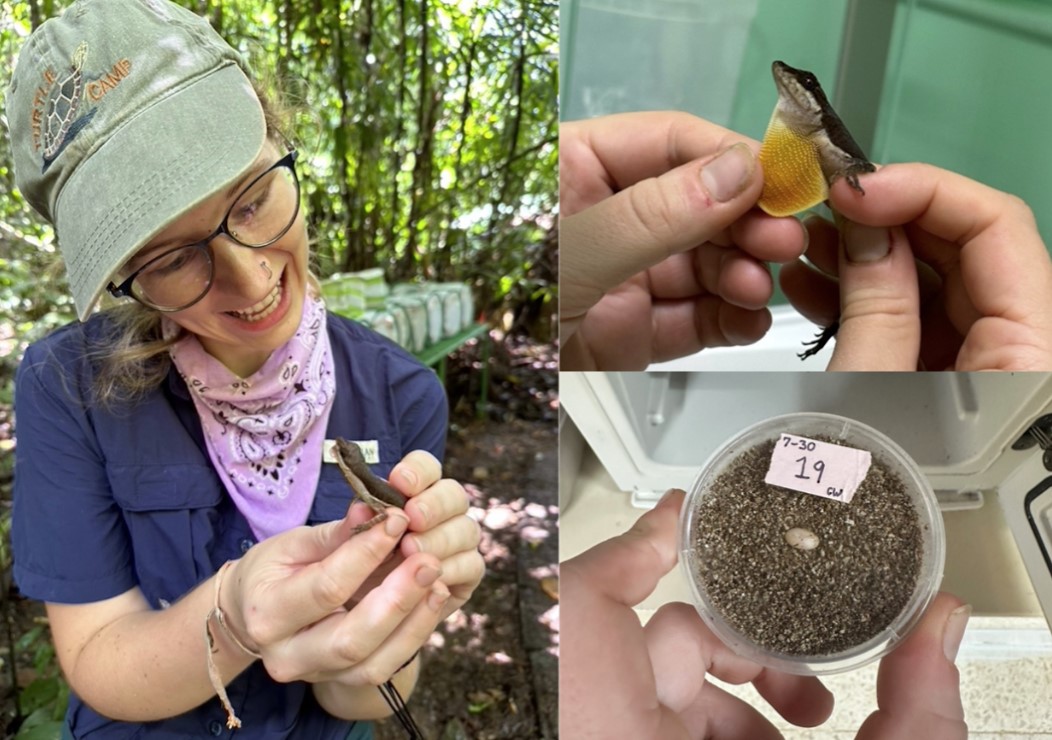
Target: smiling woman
column 173, row 272
column 199, row 561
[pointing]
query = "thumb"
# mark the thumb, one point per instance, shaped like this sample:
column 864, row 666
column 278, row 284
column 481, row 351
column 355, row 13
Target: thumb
column 918, row 686
column 328, row 563
column 628, row 567
column 640, row 226
column 880, row 325
column 315, row 543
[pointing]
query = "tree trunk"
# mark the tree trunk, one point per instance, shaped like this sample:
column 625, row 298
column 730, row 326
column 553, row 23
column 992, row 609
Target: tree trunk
column 368, row 162
column 402, row 50
column 445, row 256
column 285, row 10
column 217, row 18
column 340, row 141
column 514, row 126
column 422, row 154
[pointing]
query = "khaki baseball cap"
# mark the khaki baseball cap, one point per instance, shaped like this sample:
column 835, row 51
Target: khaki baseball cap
column 125, row 114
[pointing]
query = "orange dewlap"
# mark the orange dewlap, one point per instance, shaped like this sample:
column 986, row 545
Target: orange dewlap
column 792, row 176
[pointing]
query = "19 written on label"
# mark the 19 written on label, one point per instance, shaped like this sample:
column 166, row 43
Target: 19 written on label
column 819, row 466
column 827, row 470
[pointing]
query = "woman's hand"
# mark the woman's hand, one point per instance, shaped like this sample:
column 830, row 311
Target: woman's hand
column 937, row 272
column 439, row 525
column 286, row 598
column 662, row 253
column 322, row 605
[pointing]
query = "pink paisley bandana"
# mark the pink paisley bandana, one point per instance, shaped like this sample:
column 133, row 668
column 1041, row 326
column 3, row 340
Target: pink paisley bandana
column 264, row 433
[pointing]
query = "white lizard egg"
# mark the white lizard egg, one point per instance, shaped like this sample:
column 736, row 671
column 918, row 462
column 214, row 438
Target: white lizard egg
column 801, row 539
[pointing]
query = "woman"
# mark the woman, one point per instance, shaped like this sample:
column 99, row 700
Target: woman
column 172, row 506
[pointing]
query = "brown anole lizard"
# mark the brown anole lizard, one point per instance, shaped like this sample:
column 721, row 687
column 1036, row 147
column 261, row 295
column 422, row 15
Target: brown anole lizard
column 371, row 489
column 806, row 148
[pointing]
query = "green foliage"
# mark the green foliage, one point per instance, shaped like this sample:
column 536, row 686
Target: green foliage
column 48, row 688
column 428, row 129
column 43, row 702
column 38, row 727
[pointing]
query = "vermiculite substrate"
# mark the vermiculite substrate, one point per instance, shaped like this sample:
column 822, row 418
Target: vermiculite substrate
column 806, row 602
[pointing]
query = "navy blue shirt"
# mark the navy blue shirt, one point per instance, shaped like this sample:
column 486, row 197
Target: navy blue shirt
column 107, row 500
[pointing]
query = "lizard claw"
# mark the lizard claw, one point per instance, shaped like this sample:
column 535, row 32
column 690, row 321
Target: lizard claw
column 821, row 340
column 382, row 516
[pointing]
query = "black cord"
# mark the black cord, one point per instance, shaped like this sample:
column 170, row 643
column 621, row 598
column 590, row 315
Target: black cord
column 395, row 701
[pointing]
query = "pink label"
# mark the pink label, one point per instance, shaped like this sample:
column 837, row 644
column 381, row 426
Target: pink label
column 818, row 468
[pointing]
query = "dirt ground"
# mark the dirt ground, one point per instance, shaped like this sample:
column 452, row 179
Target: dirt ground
column 491, row 670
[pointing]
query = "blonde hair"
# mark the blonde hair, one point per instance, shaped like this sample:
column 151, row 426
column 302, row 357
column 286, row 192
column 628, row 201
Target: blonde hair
column 131, row 357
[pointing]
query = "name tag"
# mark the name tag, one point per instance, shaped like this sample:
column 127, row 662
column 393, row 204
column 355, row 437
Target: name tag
column 370, row 450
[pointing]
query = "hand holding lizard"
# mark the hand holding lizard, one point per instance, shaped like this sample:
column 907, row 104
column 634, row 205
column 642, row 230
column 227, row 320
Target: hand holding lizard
column 328, row 603
column 937, row 272
column 661, row 250
column 438, row 525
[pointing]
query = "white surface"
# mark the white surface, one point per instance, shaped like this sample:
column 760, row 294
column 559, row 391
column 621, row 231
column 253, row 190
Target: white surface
column 777, row 350
column 1026, row 501
column 654, row 430
column 571, row 451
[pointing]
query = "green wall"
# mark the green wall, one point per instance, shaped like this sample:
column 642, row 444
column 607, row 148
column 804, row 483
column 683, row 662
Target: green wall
column 968, row 84
column 802, row 33
column 971, row 92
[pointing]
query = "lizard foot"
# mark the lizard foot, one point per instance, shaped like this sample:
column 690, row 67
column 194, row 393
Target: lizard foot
column 815, row 345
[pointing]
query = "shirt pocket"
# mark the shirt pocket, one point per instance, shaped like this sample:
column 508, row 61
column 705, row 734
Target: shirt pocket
column 172, row 513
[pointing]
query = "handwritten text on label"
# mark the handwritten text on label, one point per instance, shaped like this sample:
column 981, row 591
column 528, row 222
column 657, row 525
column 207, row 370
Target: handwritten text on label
column 819, row 468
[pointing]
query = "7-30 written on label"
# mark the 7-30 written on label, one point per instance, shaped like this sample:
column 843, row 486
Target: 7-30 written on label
column 819, row 468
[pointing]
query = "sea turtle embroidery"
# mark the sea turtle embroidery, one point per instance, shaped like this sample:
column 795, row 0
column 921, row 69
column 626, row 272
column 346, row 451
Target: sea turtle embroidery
column 60, row 110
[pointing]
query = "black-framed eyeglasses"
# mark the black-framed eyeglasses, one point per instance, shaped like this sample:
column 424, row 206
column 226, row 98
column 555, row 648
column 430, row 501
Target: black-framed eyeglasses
column 180, row 277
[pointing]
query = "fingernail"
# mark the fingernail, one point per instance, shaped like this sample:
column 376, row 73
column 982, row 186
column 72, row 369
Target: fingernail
column 668, row 494
column 437, row 599
column 395, row 524
column 424, row 513
column 953, row 632
column 426, row 575
column 728, row 174
column 807, row 237
column 418, row 544
column 866, row 243
column 408, row 476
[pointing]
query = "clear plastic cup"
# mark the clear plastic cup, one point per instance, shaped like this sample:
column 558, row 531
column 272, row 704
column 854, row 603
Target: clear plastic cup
column 852, row 434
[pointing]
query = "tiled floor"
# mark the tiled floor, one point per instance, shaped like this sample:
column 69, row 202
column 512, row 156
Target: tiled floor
column 1005, row 661
column 1004, row 697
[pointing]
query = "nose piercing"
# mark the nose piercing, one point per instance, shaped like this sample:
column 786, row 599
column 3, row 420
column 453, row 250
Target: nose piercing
column 266, row 269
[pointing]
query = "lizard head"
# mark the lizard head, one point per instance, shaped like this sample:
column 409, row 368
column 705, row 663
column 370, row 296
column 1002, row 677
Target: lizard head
column 799, row 88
